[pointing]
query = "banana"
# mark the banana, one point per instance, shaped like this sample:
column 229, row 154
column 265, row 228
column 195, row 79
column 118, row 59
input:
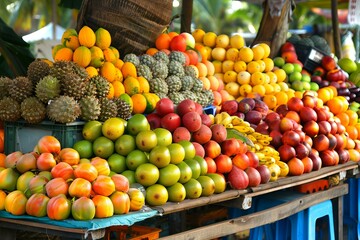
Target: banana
column 244, row 129
column 274, row 171
column 218, row 119
column 284, row 168
column 236, row 121
column 226, row 120
column 264, row 142
column 257, row 135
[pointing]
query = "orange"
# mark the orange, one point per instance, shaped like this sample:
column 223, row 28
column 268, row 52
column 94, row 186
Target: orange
column 67, row 33
column 210, row 67
column 218, row 53
column 128, row 69
column 270, row 100
column 227, row 65
column 269, row 64
column 144, row 85
column 336, row 105
column 209, row 39
column 55, row 49
column 243, row 77
column 202, row 69
column 172, row 34
column 109, row 55
column 259, row 89
column 87, row 37
column 118, row 75
column 118, row 63
column 162, row 41
column 354, row 155
column 198, row 35
column 71, row 42
column 115, row 51
column 257, row 78
column 324, row 94
column 118, row 88
column 111, row 92
column 151, row 101
column 139, row 103
column 262, row 65
column 246, row 54
column 266, row 48
column 82, row 56
column 214, row 83
column 245, row 89
column 237, row 41
column 108, row 71
column 222, row 41
column 206, row 83
column 233, row 89
column 281, row 97
column 280, row 74
column 230, row 76
column 253, row 67
column 240, row 66
column 232, row 54
column 258, row 52
column 352, row 132
column 217, row 66
column 151, row 51
column 132, row 85
column 353, row 117
column 92, row 71
column 103, row 38
column 203, row 51
column 344, row 118
column 65, row 54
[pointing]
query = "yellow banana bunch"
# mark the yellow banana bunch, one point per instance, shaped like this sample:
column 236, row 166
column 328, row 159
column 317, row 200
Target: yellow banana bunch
column 284, row 168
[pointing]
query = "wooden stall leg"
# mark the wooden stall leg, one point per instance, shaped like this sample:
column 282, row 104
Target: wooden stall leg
column 7, row 234
column 338, row 217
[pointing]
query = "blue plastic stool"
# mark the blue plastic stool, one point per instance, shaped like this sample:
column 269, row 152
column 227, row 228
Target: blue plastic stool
column 351, row 208
column 301, row 225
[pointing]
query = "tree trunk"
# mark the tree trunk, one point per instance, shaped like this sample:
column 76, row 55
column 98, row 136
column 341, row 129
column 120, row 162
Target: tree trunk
column 273, row 30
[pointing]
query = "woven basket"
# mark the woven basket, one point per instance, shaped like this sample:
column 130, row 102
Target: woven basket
column 133, row 24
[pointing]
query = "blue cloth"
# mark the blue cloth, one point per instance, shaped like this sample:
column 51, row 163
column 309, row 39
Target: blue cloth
column 94, row 224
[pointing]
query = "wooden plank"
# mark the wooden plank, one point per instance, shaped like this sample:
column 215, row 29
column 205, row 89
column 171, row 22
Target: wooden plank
column 260, row 218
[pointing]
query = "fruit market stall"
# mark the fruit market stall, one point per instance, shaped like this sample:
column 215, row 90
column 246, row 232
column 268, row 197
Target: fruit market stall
column 196, row 120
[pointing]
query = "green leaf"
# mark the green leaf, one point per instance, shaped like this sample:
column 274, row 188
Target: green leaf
column 233, row 133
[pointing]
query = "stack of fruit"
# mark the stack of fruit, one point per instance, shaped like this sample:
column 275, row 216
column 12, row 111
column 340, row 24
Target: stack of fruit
column 43, row 182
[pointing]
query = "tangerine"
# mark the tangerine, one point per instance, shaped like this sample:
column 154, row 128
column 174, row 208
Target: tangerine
column 139, row 103
column 163, row 41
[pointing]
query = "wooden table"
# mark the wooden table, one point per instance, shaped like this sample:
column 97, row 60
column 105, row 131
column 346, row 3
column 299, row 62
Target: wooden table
column 233, row 198
column 243, row 199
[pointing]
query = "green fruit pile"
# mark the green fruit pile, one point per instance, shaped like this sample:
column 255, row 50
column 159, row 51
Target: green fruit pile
column 168, row 171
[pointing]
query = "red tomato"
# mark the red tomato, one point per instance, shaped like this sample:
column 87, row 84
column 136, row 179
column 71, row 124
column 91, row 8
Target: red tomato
column 59, row 207
column 103, row 206
column 83, row 209
column 36, row 205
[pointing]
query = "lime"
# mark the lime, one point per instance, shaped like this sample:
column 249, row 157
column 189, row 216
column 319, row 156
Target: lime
column 297, row 85
column 314, row 86
column 84, row 148
column 117, row 163
column 103, row 147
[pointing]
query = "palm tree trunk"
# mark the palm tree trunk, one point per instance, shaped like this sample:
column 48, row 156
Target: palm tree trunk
column 273, row 29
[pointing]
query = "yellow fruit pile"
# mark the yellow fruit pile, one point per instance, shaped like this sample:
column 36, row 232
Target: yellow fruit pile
column 93, row 51
column 245, row 71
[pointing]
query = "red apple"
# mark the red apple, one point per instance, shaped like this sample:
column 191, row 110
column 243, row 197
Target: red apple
column 194, row 57
column 289, row 56
column 230, row 147
column 311, row 128
column 307, row 114
column 286, row 152
column 229, row 106
column 317, row 163
column 287, row 46
column 205, row 119
column 328, row 63
column 254, row 159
